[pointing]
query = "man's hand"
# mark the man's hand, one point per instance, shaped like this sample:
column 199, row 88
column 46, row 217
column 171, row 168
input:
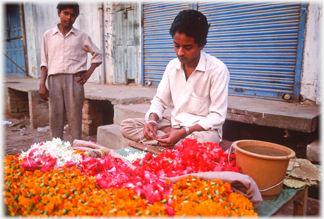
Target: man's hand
column 43, row 92
column 150, row 130
column 83, row 77
column 171, row 138
column 174, row 135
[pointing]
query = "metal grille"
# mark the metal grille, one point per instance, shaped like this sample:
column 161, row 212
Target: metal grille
column 157, row 42
column 258, row 43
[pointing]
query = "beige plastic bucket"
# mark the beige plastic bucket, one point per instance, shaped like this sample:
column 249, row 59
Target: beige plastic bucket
column 266, row 163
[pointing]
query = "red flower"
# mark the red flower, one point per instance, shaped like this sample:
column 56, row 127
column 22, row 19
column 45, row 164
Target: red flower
column 29, row 164
column 237, row 169
column 31, row 153
column 152, row 197
column 91, row 166
column 49, row 164
column 169, row 210
column 189, row 157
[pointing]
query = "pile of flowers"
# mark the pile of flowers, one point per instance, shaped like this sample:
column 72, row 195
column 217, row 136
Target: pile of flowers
column 49, row 155
column 194, row 197
column 132, row 156
column 67, row 192
column 85, row 186
column 189, row 157
column 114, row 173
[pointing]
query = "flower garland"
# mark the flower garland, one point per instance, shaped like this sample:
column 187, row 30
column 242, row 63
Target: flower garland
column 50, row 155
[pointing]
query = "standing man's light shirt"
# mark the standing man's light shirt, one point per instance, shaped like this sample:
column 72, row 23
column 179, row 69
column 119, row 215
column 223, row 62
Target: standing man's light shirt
column 64, row 54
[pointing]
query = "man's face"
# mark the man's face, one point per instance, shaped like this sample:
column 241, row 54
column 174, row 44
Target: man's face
column 188, row 52
column 67, row 17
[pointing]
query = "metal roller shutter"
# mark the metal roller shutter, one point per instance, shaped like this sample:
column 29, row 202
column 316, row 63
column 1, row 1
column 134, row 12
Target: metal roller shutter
column 157, row 49
column 261, row 43
column 258, row 42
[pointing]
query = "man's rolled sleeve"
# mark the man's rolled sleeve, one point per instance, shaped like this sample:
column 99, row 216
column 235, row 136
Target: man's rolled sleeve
column 44, row 56
column 95, row 52
column 155, row 108
column 96, row 57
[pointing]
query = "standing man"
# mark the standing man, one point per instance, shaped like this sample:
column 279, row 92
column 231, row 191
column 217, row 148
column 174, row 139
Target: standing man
column 195, row 82
column 64, row 61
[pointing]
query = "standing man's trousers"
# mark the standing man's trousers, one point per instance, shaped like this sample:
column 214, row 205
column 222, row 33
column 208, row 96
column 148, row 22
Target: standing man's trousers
column 65, row 96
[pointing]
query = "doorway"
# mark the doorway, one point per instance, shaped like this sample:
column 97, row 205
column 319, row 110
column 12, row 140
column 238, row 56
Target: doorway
column 13, row 46
column 126, row 43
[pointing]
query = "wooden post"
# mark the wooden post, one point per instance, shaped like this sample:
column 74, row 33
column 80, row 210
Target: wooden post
column 23, row 31
column 300, row 204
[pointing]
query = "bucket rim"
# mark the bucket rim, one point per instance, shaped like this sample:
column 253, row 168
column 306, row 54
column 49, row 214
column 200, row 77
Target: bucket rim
column 291, row 154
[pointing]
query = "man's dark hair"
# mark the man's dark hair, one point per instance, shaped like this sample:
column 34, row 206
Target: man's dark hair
column 192, row 23
column 65, row 5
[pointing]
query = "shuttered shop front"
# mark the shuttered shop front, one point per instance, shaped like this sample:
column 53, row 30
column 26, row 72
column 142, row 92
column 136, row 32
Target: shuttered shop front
column 157, row 42
column 261, row 44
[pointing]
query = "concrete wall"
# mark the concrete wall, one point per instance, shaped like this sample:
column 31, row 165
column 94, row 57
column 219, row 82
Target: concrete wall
column 311, row 73
column 88, row 21
column 109, row 22
column 139, row 76
column 40, row 17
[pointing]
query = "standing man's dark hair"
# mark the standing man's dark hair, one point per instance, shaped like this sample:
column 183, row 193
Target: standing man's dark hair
column 73, row 5
column 192, row 23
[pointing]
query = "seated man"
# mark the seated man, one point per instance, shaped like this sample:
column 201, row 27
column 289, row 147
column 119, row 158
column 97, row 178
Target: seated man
column 197, row 85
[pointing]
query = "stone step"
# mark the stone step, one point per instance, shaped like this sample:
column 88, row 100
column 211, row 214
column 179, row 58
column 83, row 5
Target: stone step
column 313, row 151
column 109, row 136
column 122, row 112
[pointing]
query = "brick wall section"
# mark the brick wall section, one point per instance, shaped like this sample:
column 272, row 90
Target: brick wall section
column 20, row 104
column 17, row 104
column 92, row 116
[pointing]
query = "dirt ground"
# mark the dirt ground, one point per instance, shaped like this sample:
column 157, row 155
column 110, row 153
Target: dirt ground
column 18, row 136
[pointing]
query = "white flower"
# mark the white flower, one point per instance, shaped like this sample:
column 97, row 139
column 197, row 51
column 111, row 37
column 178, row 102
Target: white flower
column 133, row 156
column 56, row 149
